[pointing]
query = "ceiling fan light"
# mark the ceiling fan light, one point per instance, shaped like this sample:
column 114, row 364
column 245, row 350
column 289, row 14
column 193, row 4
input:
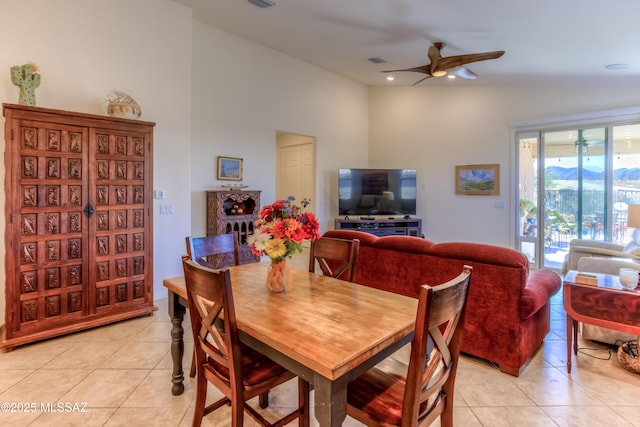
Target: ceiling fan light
column 439, row 73
column 451, row 76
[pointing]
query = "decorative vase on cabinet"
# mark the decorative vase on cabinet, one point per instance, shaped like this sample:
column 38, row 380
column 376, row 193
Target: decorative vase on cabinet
column 234, row 210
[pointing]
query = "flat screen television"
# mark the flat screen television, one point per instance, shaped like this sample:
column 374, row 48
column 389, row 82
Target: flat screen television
column 370, row 192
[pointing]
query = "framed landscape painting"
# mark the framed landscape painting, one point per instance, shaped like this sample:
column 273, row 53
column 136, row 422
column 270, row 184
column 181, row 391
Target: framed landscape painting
column 229, row 168
column 478, row 180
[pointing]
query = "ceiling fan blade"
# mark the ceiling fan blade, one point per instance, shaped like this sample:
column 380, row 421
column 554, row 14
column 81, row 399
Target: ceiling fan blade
column 463, row 72
column 425, row 69
column 421, row 80
column 455, row 61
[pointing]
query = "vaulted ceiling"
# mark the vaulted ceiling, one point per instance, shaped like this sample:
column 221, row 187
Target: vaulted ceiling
column 547, row 40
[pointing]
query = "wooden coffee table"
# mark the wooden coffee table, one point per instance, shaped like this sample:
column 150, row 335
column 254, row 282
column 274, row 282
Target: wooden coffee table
column 606, row 304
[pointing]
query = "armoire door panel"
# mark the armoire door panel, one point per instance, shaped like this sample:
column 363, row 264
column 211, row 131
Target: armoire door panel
column 121, row 197
column 50, row 233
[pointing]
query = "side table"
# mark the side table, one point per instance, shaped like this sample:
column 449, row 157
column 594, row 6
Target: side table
column 606, row 304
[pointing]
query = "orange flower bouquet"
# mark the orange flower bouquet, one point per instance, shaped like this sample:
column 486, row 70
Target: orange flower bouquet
column 281, row 228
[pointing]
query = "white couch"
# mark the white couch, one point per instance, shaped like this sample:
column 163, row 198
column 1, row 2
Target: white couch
column 591, row 248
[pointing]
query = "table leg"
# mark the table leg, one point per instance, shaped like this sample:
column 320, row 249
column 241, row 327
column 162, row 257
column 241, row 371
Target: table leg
column 176, row 312
column 569, row 341
column 575, row 336
column 330, row 401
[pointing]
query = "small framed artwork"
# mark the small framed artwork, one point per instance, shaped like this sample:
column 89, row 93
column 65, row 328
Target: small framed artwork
column 229, row 169
column 478, row 180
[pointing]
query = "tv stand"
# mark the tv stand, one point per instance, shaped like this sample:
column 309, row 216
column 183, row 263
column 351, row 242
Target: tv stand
column 382, row 227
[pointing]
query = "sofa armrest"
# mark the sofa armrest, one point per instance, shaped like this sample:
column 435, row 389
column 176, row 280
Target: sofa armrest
column 541, row 285
column 595, row 245
column 604, row 265
column 587, row 251
column 582, row 248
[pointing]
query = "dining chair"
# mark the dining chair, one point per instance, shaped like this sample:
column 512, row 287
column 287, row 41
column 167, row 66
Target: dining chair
column 238, row 371
column 336, row 257
column 213, row 252
column 382, row 397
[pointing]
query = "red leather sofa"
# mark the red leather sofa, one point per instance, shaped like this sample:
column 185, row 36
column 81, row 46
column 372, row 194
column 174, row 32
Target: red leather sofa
column 508, row 308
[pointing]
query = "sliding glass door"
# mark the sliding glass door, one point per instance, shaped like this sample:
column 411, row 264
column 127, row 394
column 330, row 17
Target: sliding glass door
column 575, row 183
column 575, row 177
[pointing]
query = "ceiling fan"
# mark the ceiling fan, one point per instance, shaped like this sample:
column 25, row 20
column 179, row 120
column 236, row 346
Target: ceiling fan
column 451, row 65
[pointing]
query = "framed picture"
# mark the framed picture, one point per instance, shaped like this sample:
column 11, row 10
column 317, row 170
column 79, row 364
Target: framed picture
column 229, row 169
column 478, row 180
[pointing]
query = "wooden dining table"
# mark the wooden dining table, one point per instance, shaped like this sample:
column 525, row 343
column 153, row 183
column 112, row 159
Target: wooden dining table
column 325, row 330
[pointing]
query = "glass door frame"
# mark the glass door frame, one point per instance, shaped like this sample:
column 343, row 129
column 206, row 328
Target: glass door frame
column 521, row 240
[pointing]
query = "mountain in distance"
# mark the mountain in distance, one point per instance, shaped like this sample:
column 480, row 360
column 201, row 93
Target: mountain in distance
column 627, row 174
column 594, row 173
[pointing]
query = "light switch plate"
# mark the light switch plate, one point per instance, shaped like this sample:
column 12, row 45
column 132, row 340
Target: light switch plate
column 166, row 210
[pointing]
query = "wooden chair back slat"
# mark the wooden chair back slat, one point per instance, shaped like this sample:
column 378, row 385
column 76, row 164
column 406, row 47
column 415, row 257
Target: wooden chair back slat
column 335, row 257
column 214, row 251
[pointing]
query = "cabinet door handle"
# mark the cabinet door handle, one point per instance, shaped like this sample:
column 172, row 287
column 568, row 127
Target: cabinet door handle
column 88, row 210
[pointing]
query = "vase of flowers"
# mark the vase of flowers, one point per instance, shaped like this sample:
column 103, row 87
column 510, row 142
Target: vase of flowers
column 281, row 228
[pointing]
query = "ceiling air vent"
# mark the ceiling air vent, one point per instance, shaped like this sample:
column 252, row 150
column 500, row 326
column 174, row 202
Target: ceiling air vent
column 262, row 3
column 377, row 60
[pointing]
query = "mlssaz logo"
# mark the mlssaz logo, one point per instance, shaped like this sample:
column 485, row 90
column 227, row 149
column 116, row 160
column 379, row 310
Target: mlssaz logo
column 63, row 407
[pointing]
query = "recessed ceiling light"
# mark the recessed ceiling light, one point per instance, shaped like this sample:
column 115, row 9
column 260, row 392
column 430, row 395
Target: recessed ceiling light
column 390, row 78
column 616, row 67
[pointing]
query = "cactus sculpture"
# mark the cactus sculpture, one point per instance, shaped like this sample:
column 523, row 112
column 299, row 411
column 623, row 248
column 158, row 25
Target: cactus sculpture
column 28, row 79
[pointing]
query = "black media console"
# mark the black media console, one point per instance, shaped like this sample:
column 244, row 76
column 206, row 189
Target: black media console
column 382, row 227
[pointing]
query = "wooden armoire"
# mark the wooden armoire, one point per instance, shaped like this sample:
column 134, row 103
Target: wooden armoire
column 79, row 223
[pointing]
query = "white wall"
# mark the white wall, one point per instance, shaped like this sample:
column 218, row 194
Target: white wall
column 86, row 48
column 433, row 128
column 244, row 93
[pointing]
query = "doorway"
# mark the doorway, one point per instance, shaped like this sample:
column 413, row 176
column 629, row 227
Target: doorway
column 296, row 176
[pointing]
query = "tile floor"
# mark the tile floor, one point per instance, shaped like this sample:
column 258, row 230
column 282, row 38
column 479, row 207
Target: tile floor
column 122, row 372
